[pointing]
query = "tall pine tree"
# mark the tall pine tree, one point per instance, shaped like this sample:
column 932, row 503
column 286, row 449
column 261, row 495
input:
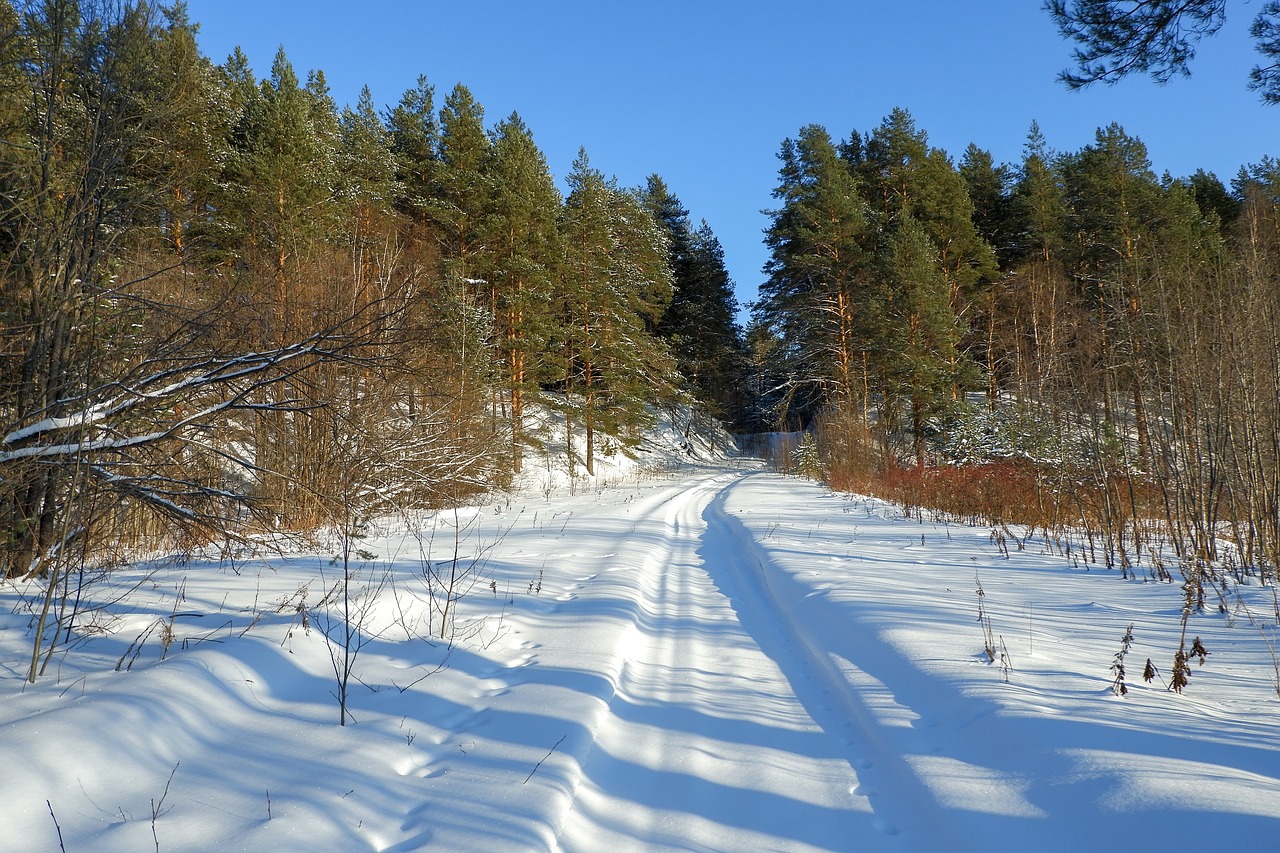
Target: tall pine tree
column 820, row 300
column 616, row 285
column 521, row 263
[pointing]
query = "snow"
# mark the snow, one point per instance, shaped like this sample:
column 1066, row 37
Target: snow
column 697, row 656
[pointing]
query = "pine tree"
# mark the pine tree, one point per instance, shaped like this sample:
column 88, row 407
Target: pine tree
column 190, row 148
column 904, row 176
column 988, row 187
column 366, row 165
column 925, row 332
column 365, row 195
column 870, row 231
column 463, row 187
column 238, row 79
column 1037, row 307
column 1156, row 37
column 909, row 180
column 616, row 285
column 586, row 299
column 641, row 370
column 894, row 155
column 415, row 144
column 1114, row 197
column 282, row 184
column 220, row 235
column 819, row 300
column 1038, row 206
column 280, row 197
column 520, row 263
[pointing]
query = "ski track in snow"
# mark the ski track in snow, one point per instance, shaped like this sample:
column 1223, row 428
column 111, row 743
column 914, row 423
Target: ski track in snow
column 727, row 661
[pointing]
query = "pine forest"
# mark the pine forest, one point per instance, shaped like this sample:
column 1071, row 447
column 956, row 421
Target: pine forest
column 229, row 305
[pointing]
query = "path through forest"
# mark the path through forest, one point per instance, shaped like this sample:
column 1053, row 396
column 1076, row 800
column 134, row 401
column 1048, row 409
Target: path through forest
column 710, row 658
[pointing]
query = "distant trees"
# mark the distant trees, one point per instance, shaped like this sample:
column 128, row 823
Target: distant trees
column 700, row 323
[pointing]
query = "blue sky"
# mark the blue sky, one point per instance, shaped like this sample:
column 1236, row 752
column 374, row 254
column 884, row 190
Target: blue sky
column 703, row 92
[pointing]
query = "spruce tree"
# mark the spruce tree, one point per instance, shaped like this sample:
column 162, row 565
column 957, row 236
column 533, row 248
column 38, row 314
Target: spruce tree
column 710, row 343
column 1214, row 199
column 700, row 323
column 666, row 208
column 989, row 186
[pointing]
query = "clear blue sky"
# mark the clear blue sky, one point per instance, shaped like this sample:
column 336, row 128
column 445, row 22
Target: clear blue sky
column 703, row 92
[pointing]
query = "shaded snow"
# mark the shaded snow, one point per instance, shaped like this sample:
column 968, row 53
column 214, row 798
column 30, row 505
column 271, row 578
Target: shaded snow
column 710, row 657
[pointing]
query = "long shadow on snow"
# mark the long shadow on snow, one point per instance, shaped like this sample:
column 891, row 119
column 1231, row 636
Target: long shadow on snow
column 617, row 595
column 765, row 600
column 783, row 614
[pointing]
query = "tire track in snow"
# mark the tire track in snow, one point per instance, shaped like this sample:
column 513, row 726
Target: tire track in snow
column 710, row 740
column 540, row 710
column 765, row 599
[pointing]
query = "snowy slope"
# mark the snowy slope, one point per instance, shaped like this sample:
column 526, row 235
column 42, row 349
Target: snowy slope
column 710, row 658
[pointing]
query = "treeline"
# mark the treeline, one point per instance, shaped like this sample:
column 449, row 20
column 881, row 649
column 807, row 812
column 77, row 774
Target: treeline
column 228, row 305
column 1070, row 341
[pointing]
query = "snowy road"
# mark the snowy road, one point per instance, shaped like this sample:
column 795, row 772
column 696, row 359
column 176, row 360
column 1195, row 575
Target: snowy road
column 746, row 679
column 706, row 743
column 698, row 732
column 716, row 659
column 714, row 721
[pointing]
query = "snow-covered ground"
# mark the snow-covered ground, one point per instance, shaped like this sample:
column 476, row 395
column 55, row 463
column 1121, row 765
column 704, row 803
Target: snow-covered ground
column 713, row 657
